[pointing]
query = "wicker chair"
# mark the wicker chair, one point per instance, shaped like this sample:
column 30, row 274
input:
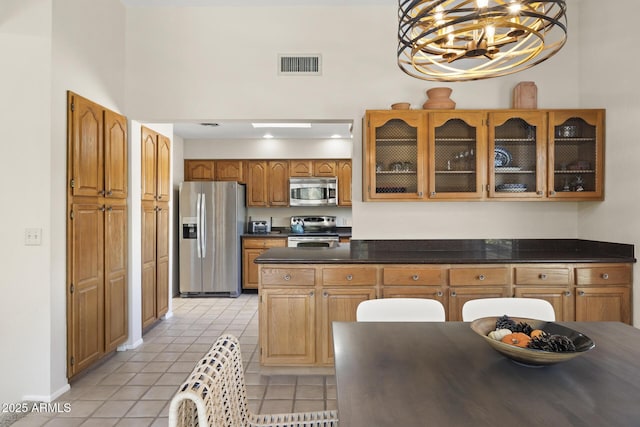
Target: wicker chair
column 215, row 395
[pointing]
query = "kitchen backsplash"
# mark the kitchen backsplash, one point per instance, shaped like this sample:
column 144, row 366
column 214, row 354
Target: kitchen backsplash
column 280, row 217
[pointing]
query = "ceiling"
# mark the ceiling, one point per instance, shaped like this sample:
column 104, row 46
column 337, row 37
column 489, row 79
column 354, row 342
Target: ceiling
column 252, row 3
column 243, row 129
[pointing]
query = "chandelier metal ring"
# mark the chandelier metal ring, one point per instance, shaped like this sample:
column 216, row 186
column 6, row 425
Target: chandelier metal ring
column 459, row 40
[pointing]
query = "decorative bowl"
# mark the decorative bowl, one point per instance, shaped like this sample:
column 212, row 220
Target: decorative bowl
column 401, row 106
column 528, row 356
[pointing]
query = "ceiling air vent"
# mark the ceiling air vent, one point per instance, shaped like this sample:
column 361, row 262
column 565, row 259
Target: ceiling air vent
column 299, row 65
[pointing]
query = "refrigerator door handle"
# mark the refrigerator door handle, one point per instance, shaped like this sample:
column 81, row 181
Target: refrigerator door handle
column 198, row 225
column 203, row 220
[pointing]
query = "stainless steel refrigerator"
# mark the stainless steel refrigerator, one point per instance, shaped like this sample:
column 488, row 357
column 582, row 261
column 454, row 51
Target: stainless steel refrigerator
column 212, row 218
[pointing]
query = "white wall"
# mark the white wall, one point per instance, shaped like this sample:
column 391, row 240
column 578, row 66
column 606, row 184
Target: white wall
column 219, row 69
column 27, row 329
column 609, row 79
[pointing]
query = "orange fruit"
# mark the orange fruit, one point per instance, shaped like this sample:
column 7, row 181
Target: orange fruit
column 519, row 339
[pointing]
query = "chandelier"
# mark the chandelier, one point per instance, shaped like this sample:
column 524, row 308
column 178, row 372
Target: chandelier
column 459, row 40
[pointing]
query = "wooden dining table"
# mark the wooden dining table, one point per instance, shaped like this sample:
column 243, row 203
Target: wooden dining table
column 443, row 374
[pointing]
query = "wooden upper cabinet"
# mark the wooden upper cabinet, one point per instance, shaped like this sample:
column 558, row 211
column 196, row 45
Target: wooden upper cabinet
column 148, row 173
column 324, row 168
column 163, row 169
column 575, row 157
column 301, row 168
column 257, row 183
column 517, row 144
column 156, row 166
column 199, row 170
column 344, row 182
column 86, row 147
column 115, row 155
column 278, row 182
column 457, row 155
column 229, row 170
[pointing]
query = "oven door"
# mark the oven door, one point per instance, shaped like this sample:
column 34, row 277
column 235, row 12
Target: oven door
column 312, row 241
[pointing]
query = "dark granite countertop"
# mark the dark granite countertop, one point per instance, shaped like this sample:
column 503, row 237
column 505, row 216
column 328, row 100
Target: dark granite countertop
column 463, row 251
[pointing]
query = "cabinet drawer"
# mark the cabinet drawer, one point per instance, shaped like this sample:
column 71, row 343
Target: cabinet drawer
column 349, row 276
column 612, row 275
column 288, row 276
column 413, row 276
column 479, row 276
column 541, row 276
column 264, row 242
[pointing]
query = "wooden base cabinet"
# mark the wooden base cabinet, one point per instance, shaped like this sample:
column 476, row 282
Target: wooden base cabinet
column 603, row 293
column 252, row 248
column 299, row 304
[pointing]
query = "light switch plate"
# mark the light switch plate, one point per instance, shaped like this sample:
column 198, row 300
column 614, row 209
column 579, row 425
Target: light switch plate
column 33, row 236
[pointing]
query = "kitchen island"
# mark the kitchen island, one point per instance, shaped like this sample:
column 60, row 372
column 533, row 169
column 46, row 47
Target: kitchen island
column 303, row 290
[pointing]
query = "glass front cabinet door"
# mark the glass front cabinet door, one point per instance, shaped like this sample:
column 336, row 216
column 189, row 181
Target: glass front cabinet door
column 457, row 152
column 575, row 155
column 396, row 152
column 517, row 143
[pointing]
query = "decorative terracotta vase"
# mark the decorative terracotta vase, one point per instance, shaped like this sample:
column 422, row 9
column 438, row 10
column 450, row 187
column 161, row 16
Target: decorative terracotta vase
column 438, row 98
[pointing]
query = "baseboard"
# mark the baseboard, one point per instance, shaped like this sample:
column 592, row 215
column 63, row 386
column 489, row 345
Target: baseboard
column 125, row 347
column 50, row 398
column 167, row 315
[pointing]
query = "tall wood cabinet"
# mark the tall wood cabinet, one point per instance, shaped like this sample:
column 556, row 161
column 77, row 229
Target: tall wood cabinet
column 156, row 187
column 96, row 232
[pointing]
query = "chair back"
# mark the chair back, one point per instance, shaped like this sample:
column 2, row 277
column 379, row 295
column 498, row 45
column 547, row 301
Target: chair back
column 400, row 310
column 532, row 308
column 215, row 392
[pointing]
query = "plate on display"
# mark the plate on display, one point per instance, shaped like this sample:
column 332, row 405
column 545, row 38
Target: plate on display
column 501, row 158
column 511, row 188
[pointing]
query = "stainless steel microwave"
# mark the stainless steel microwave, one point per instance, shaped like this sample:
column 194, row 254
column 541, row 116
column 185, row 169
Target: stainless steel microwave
column 313, row 191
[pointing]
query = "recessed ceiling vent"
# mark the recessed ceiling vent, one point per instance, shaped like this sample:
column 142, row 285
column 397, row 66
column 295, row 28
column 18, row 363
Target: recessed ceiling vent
column 299, row 65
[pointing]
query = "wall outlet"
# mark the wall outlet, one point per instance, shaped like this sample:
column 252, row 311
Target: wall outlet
column 33, row 236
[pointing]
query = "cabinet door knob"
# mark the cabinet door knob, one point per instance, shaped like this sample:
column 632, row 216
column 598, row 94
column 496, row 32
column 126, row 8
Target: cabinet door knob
column 433, row 193
column 109, row 208
column 109, row 193
column 552, row 193
column 311, row 293
column 102, row 208
column 581, row 293
column 567, row 293
column 453, row 293
column 605, row 276
column 101, row 193
column 287, row 277
column 539, row 193
column 349, row 277
column 325, row 294
column 159, row 197
column 439, row 293
column 543, row 276
column 415, row 277
column 481, row 277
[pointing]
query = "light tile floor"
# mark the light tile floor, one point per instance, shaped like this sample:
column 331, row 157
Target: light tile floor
column 134, row 388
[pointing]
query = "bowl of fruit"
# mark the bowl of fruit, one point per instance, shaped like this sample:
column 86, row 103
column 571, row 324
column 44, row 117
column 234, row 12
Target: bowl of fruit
column 531, row 342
